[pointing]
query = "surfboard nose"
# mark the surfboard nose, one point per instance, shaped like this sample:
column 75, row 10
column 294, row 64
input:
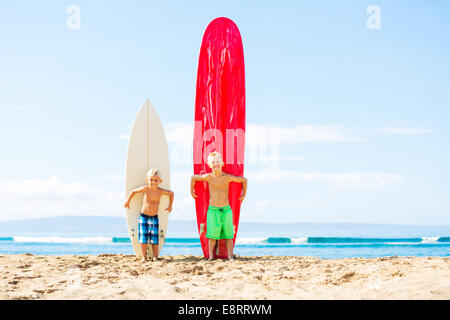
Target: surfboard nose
column 222, row 20
column 223, row 26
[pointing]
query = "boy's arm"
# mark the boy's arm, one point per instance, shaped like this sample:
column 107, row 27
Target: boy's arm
column 242, row 180
column 171, row 196
column 194, row 179
column 244, row 189
column 131, row 195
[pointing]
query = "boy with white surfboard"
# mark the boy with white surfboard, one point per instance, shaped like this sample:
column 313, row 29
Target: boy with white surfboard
column 219, row 220
column 148, row 219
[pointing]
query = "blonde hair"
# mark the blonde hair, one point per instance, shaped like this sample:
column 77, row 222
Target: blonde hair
column 153, row 172
column 214, row 156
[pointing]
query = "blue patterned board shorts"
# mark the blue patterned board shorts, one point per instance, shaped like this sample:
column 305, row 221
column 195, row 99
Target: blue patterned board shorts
column 148, row 229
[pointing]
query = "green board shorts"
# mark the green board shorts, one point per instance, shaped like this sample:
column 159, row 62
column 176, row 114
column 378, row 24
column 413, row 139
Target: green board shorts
column 219, row 223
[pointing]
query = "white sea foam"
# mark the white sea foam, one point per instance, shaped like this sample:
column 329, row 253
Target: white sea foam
column 255, row 240
column 430, row 239
column 273, row 240
column 299, row 240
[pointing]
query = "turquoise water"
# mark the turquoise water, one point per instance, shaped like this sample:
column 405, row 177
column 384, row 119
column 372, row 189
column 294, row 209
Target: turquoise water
column 322, row 247
column 97, row 235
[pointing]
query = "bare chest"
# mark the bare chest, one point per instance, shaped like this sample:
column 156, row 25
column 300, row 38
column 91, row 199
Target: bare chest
column 152, row 196
column 218, row 183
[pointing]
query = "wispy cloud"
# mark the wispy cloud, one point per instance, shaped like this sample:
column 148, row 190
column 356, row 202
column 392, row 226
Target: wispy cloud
column 262, row 205
column 309, row 134
column 343, row 181
column 54, row 197
column 262, row 141
column 405, row 131
column 292, row 158
column 184, row 204
column 113, row 177
column 182, row 132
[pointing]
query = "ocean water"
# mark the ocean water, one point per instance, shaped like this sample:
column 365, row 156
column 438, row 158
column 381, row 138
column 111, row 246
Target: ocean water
column 322, row 247
column 329, row 241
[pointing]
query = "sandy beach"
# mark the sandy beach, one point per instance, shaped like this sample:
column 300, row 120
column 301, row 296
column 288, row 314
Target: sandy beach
column 111, row 276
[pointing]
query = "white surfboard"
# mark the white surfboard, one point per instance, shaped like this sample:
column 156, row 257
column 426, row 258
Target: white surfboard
column 147, row 149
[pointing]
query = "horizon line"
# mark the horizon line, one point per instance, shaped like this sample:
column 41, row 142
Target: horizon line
column 249, row 222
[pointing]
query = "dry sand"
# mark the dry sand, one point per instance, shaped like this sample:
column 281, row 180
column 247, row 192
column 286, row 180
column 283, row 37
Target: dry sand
column 111, row 276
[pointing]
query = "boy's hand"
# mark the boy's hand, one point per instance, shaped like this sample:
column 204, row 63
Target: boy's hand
column 194, row 195
column 127, row 204
column 242, row 197
column 169, row 209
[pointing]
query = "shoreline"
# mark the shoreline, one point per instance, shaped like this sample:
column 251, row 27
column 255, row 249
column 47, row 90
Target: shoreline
column 117, row 276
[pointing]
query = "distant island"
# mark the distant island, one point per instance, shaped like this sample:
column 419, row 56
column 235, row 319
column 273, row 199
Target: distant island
column 116, row 226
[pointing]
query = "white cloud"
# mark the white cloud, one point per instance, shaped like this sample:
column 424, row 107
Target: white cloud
column 307, row 134
column 114, row 177
column 262, row 205
column 292, row 158
column 262, row 141
column 22, row 199
column 184, row 204
column 343, row 181
column 405, row 131
column 182, row 132
column 179, row 132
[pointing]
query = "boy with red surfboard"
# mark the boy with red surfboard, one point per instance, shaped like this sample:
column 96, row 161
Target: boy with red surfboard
column 219, row 125
column 219, row 219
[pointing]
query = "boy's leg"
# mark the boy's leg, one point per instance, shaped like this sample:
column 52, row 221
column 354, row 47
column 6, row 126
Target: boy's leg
column 212, row 244
column 213, row 226
column 143, row 236
column 155, row 250
column 228, row 230
column 229, row 244
column 144, row 251
column 154, row 236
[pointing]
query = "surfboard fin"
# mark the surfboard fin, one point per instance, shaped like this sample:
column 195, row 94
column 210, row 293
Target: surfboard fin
column 202, row 228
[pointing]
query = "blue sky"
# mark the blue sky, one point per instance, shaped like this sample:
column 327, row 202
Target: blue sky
column 360, row 115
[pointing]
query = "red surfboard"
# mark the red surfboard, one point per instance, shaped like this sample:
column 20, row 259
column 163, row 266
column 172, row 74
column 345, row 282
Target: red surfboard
column 219, row 118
